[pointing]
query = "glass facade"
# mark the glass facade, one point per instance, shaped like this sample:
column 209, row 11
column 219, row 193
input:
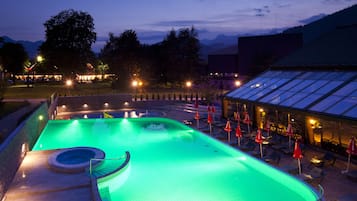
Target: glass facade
column 318, row 91
column 327, row 98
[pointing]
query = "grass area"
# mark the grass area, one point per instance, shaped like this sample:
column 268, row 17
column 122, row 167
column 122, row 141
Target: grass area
column 10, row 107
column 46, row 90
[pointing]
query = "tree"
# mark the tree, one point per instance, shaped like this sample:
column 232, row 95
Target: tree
column 122, row 54
column 13, row 56
column 102, row 68
column 69, row 37
column 180, row 54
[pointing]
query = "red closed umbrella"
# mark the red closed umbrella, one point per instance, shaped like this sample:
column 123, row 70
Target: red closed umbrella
column 197, row 117
column 228, row 129
column 298, row 154
column 247, row 120
column 213, row 110
column 351, row 150
column 259, row 140
column 238, row 133
column 209, row 121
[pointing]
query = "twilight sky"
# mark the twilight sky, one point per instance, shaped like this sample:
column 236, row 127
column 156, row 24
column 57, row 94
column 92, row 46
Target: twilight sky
column 153, row 19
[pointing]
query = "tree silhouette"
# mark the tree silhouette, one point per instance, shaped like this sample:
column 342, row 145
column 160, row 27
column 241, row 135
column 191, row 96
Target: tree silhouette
column 13, row 56
column 69, row 36
column 122, row 55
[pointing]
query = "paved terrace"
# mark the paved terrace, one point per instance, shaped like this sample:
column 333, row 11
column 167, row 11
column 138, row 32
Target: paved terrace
column 35, row 181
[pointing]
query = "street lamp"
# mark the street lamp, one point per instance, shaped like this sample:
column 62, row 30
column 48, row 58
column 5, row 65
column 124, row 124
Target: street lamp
column 237, row 83
column 69, row 84
column 188, row 86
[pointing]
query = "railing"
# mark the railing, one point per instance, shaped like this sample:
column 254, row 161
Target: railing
column 321, row 192
column 94, row 179
column 92, row 166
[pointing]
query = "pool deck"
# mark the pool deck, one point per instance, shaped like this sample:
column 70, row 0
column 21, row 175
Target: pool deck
column 35, row 181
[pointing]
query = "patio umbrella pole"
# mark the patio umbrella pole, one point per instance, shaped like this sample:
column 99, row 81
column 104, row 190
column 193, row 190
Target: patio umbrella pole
column 261, row 150
column 238, row 141
column 229, row 137
column 299, row 165
column 210, row 129
column 348, row 164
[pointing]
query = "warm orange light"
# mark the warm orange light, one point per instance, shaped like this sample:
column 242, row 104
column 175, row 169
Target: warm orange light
column 188, row 84
column 237, row 83
column 69, row 83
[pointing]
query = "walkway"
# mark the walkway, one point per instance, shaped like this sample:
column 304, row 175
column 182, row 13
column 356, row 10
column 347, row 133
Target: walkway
column 35, row 181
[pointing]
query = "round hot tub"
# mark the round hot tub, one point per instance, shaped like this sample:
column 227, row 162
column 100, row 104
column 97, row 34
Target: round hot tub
column 74, row 160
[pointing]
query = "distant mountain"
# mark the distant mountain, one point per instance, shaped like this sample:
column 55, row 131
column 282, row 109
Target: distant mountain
column 30, row 47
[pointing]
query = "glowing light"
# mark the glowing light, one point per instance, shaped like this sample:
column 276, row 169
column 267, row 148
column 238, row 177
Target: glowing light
column 237, row 83
column 134, row 83
column 126, row 103
column 257, row 85
column 63, row 106
column 106, row 104
column 188, row 84
column 23, row 175
column 39, row 58
column 40, row 117
column 261, row 110
column 23, row 150
column 69, row 83
column 85, row 116
column 312, row 121
column 85, row 105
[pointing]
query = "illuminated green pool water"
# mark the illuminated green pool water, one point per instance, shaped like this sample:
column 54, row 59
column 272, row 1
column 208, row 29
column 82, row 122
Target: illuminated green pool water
column 172, row 162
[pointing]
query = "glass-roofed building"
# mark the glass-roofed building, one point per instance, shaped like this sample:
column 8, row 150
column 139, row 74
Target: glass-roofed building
column 314, row 89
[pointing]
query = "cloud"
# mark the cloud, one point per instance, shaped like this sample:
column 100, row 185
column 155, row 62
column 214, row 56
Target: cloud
column 261, row 12
column 312, row 18
column 182, row 23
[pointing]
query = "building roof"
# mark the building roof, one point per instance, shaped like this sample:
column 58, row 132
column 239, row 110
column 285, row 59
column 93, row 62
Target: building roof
column 332, row 93
column 337, row 49
column 326, row 24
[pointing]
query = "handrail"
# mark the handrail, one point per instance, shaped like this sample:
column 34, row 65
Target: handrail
column 322, row 192
column 100, row 159
column 94, row 180
column 127, row 156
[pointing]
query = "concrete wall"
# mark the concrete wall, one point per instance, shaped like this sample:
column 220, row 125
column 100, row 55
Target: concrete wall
column 22, row 139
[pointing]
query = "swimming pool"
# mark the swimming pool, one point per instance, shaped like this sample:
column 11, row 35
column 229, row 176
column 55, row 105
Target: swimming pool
column 171, row 161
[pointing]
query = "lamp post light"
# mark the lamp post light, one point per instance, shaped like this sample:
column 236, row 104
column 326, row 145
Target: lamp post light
column 69, row 84
column 237, row 83
column 188, row 86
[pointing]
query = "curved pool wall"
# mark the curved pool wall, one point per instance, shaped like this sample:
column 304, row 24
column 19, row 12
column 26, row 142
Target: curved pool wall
column 175, row 163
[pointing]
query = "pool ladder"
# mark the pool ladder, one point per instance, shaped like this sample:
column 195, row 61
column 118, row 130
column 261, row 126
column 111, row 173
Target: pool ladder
column 321, row 193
